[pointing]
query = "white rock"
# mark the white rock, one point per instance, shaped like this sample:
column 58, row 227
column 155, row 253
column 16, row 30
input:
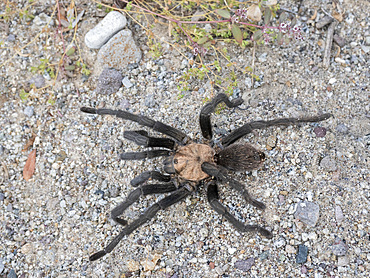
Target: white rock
column 105, row 29
column 332, row 80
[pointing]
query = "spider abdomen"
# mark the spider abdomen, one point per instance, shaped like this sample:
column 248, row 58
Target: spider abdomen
column 188, row 161
column 240, row 157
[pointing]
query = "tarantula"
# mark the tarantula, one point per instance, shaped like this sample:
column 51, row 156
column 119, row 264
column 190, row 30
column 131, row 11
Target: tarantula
column 189, row 164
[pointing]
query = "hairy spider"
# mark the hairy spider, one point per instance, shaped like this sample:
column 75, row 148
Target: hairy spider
column 189, row 164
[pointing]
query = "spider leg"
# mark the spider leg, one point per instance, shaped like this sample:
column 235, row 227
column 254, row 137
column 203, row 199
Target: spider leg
column 144, row 154
column 212, row 195
column 166, row 202
column 205, row 113
column 155, row 175
column 247, row 128
column 221, row 174
column 134, row 196
column 141, row 137
column 140, row 119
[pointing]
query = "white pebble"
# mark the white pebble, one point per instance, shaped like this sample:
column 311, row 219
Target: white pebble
column 105, row 29
column 332, row 80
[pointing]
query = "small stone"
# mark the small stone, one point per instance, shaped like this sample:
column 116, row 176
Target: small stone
column 303, row 269
column 263, row 57
column 341, row 128
column 28, row 111
column 271, row 142
column 43, row 19
column 328, row 164
column 324, row 21
column 9, row 207
column 2, row 197
column 308, row 213
column 339, row 40
column 339, row 248
column 339, row 214
column 12, row 274
column 109, row 81
column 38, row 81
column 365, row 48
column 332, row 81
column 231, row 250
column 340, row 60
column 127, row 83
column 320, row 131
column 105, row 29
column 11, row 38
column 149, row 101
column 211, row 265
column 244, row 265
column 280, row 242
column 290, row 249
column 301, row 257
column 343, row 261
column 367, row 40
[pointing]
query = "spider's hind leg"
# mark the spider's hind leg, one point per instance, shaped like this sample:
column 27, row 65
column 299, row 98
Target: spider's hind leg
column 205, row 113
column 155, row 175
column 212, row 195
column 134, row 196
column 164, row 203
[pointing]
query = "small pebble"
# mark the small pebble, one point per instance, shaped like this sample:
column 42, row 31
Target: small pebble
column 328, row 164
column 343, row 261
column 109, row 81
column 244, row 265
column 332, row 81
column 303, row 269
column 324, row 21
column 308, row 213
column 301, row 257
column 339, row 248
column 280, row 242
column 127, row 83
column 38, row 81
column 339, row 214
column 290, row 249
column 341, row 128
column 12, row 274
column 105, row 29
column 28, row 111
column 320, row 131
column 149, row 101
column 339, row 40
column 2, row 197
column 11, row 38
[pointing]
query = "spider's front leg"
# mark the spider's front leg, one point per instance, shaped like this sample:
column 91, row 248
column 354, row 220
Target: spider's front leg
column 205, row 113
column 212, row 194
column 166, row 202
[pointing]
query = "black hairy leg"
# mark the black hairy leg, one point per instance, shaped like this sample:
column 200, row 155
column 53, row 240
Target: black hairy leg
column 205, row 113
column 247, row 128
column 220, row 173
column 140, row 119
column 212, row 195
column 141, row 138
column 166, row 202
column 134, row 196
column 145, row 176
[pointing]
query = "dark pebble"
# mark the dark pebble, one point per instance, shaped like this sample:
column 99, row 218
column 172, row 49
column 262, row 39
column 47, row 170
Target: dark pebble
column 99, row 192
column 2, row 197
column 110, row 80
column 320, row 131
column 244, row 265
column 301, row 257
column 339, row 40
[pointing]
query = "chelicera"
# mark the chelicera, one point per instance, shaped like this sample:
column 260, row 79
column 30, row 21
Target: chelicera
column 189, row 164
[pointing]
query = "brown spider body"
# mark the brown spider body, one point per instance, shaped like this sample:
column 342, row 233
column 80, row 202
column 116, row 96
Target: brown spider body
column 187, row 161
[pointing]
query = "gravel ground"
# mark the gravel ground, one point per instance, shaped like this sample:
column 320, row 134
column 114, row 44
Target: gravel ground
column 52, row 223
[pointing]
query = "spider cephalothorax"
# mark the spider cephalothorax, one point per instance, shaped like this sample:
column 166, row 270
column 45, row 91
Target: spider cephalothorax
column 189, row 164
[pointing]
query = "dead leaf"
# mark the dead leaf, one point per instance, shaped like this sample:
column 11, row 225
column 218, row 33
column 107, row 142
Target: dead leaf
column 29, row 168
column 337, row 16
column 29, row 142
